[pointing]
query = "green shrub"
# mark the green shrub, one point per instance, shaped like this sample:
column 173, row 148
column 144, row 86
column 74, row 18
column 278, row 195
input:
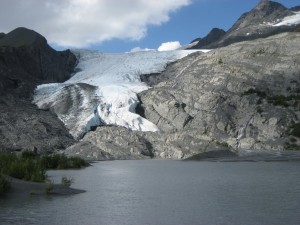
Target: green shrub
column 66, row 181
column 260, row 110
column 32, row 168
column 260, row 94
column 296, row 130
column 59, row 161
column 279, row 100
column 4, row 185
column 5, row 161
column 77, row 162
column 27, row 170
column 22, row 168
column 28, row 155
column 291, row 146
column 50, row 186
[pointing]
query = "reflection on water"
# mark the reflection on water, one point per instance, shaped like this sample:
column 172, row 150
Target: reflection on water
column 168, row 192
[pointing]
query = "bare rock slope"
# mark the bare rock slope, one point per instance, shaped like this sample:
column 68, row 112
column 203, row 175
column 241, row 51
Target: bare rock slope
column 25, row 61
column 243, row 96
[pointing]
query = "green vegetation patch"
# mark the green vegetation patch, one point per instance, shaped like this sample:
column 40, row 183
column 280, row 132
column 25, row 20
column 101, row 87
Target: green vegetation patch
column 296, row 130
column 30, row 167
column 277, row 100
column 22, row 167
column 292, row 146
column 4, row 185
column 259, row 93
column 62, row 162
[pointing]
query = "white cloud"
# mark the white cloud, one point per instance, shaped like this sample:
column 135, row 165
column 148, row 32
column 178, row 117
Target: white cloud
column 169, row 46
column 79, row 23
column 139, row 49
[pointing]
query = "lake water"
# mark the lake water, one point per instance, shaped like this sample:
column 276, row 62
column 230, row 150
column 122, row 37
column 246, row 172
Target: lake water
column 162, row 192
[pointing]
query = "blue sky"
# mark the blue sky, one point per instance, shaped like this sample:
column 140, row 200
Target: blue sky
column 189, row 22
column 121, row 25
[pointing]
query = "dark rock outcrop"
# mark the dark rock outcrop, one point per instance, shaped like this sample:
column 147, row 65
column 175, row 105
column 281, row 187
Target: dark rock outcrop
column 26, row 60
column 295, row 9
column 254, row 24
column 214, row 35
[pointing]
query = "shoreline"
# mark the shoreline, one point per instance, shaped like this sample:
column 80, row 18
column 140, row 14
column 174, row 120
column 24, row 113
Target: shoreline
column 246, row 156
column 20, row 188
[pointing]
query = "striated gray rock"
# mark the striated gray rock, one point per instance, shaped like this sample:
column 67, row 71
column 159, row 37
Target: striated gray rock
column 244, row 96
column 213, row 36
column 120, row 142
column 25, row 61
column 67, row 103
column 87, row 151
column 24, row 126
column 251, row 25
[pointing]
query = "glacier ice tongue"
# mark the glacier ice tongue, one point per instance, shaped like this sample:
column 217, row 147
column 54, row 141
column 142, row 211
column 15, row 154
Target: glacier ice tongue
column 104, row 91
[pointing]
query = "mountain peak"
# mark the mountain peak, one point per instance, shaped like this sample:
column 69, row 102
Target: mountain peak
column 21, row 37
column 268, row 7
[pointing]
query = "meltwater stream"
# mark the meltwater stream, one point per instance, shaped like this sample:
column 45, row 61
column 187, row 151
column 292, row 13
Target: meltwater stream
column 161, row 192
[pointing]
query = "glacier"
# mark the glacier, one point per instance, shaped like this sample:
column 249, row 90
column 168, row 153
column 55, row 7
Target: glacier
column 104, row 89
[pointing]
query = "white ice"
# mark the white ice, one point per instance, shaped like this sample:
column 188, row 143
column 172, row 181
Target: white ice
column 117, row 78
column 289, row 20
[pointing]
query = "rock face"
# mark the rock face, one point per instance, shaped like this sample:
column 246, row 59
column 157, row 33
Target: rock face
column 25, row 61
column 243, row 96
column 246, row 94
column 214, row 35
column 116, row 142
column 252, row 25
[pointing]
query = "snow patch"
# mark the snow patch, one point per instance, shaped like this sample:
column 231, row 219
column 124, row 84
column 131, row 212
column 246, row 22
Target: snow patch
column 289, row 20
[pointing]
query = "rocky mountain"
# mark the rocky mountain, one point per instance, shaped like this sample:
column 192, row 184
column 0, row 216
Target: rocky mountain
column 26, row 60
column 214, row 35
column 243, row 96
column 260, row 22
column 156, row 104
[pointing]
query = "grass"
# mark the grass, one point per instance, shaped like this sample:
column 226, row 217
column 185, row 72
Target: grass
column 4, row 185
column 62, row 162
column 295, row 130
column 30, row 167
